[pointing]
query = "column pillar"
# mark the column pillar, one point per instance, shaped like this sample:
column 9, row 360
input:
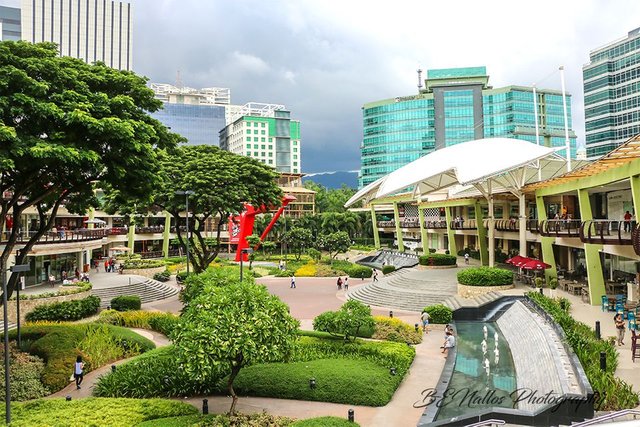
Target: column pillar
column 92, row 215
column 165, row 235
column 546, row 242
column 396, row 218
column 423, row 231
column 595, row 276
column 451, row 233
column 482, row 235
column 374, row 224
column 522, row 225
column 131, row 235
column 492, row 232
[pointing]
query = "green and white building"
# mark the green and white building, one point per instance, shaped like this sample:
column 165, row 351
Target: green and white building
column 457, row 105
column 265, row 132
column 612, row 94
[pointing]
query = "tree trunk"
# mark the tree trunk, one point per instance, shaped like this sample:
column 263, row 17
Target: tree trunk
column 234, row 372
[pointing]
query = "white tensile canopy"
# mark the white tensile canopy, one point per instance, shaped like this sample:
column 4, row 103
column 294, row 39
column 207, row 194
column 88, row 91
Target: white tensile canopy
column 480, row 167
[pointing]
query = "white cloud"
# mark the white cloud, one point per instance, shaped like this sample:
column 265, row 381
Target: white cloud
column 249, row 63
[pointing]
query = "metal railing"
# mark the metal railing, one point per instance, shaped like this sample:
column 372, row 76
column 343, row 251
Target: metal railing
column 608, row 417
column 439, row 224
column 153, row 229
column 487, row 423
column 465, row 224
column 560, row 227
column 510, row 224
column 62, row 236
column 117, row 231
column 606, row 231
column 533, row 225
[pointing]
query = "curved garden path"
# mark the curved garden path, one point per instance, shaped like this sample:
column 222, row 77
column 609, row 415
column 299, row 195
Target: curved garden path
column 91, row 378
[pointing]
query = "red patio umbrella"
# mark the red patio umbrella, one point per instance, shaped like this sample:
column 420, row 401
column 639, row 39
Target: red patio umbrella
column 518, row 260
column 535, row 264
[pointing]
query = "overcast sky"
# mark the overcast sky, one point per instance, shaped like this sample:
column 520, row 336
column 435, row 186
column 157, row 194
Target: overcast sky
column 324, row 59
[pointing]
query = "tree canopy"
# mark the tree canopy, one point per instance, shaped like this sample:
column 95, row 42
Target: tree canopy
column 221, row 183
column 226, row 328
column 64, row 126
column 330, row 200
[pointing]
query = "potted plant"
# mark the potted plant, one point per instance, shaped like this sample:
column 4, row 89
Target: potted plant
column 553, row 284
column 539, row 281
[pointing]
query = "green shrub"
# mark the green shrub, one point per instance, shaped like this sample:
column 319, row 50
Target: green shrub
column 360, row 272
column 284, row 273
column 74, row 288
column 432, row 251
column 440, row 314
column 143, row 263
column 212, row 277
column 393, row 329
column 25, row 371
column 237, row 420
column 95, row 412
column 437, row 259
column 386, row 269
column 155, row 321
column 163, row 276
column 352, row 317
column 126, row 303
column 181, row 277
column 615, row 394
column 66, row 310
column 58, row 344
column 485, row 276
column 325, row 422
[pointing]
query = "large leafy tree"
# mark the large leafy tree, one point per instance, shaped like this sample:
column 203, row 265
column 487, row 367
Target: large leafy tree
column 221, row 183
column 64, row 126
column 335, row 243
column 298, row 240
column 229, row 327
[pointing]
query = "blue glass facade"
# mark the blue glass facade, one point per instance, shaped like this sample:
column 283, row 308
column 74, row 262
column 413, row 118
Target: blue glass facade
column 457, row 106
column 10, row 23
column 200, row 124
column 612, row 95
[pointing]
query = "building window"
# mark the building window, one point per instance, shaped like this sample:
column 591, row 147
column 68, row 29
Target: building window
column 295, row 142
column 270, row 161
column 255, row 154
column 262, row 132
column 249, row 146
column 270, row 147
column 262, row 146
column 295, row 157
column 295, row 163
column 295, row 170
column 261, row 124
column 262, row 154
column 249, row 139
column 295, row 150
column 262, row 140
column 255, row 139
column 255, row 146
column 270, row 154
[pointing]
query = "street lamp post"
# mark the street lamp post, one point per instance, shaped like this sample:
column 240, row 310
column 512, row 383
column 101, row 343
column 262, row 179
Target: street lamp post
column 242, row 253
column 7, row 390
column 186, row 193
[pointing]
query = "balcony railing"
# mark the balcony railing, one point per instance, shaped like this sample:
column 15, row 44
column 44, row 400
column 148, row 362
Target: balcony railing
column 117, row 231
column 607, row 232
column 158, row 254
column 510, row 224
column 153, row 229
column 436, row 224
column 466, row 224
column 560, row 227
column 51, row 237
column 533, row 225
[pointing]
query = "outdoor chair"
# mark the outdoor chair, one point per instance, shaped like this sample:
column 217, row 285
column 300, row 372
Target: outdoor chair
column 604, row 304
column 632, row 320
column 635, row 349
column 620, row 309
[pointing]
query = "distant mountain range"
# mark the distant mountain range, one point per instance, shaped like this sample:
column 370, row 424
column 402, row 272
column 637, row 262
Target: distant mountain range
column 335, row 179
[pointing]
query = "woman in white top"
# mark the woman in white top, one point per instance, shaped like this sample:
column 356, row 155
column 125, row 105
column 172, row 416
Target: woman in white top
column 78, row 374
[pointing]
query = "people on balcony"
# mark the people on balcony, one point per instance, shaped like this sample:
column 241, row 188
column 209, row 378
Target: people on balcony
column 627, row 221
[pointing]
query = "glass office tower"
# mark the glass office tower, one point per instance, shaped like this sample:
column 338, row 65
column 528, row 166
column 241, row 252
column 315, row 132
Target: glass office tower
column 612, row 94
column 456, row 105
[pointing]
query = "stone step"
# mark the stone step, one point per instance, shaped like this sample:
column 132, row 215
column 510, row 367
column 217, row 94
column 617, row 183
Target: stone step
column 149, row 291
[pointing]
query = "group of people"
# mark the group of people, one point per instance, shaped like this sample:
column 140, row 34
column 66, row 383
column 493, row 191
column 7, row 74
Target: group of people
column 109, row 265
column 342, row 283
column 449, row 338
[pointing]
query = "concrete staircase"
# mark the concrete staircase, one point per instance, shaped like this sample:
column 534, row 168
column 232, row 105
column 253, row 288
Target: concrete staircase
column 455, row 302
column 409, row 290
column 148, row 290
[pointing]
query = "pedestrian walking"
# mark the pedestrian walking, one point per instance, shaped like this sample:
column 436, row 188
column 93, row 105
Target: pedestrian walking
column 77, row 274
column 339, row 283
column 78, row 372
column 466, row 257
column 619, row 321
column 106, row 265
column 375, row 275
column 96, row 264
column 346, row 283
column 52, row 280
column 425, row 321
column 293, row 282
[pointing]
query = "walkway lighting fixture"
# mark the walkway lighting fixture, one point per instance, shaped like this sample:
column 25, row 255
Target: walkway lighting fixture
column 312, row 383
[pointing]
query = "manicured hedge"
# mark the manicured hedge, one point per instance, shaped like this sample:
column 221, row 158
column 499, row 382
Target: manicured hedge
column 485, row 276
column 58, row 344
column 615, row 394
column 437, row 259
column 394, row 329
column 155, row 321
column 163, row 276
column 386, row 269
column 66, row 310
column 242, row 420
column 143, row 263
column 157, row 373
column 95, row 412
column 25, row 373
column 126, row 303
column 440, row 314
column 71, row 289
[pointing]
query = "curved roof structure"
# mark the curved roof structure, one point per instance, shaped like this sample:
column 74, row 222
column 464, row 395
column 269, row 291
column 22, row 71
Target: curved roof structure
column 509, row 163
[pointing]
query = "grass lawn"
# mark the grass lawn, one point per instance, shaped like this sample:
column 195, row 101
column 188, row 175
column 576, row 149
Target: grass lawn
column 338, row 380
column 95, row 412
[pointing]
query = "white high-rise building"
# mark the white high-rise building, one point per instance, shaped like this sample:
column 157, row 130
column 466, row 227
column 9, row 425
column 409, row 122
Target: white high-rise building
column 91, row 30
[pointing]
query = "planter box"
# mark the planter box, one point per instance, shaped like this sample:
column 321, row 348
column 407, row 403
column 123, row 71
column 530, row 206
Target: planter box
column 465, row 291
column 146, row 272
column 28, row 305
column 435, row 267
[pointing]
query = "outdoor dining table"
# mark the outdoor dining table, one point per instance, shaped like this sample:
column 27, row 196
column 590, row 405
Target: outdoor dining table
column 575, row 288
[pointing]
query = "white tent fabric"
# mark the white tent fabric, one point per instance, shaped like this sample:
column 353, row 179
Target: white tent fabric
column 467, row 164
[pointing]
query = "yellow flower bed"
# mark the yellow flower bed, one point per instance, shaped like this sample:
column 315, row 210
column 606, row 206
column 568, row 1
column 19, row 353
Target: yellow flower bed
column 307, row 270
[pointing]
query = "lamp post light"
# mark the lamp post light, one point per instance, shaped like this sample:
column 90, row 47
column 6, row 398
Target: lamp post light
column 186, row 195
column 7, row 391
column 242, row 253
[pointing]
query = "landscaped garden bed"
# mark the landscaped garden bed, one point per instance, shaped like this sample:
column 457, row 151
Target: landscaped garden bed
column 476, row 281
column 436, row 261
